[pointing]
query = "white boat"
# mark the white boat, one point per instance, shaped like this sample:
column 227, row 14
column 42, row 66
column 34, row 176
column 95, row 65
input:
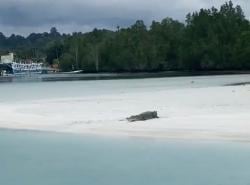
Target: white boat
column 26, row 68
column 73, row 72
column 11, row 67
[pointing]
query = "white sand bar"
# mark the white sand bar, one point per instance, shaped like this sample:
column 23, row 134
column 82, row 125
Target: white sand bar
column 215, row 112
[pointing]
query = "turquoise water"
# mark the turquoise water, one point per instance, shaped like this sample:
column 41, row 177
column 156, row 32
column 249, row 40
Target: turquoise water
column 33, row 158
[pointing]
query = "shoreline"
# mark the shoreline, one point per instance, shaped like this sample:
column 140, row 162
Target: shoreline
column 204, row 113
column 115, row 76
column 194, row 136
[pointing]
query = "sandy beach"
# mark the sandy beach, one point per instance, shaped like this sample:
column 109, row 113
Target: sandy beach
column 220, row 112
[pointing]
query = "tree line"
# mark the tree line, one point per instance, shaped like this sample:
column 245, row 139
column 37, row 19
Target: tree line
column 210, row 39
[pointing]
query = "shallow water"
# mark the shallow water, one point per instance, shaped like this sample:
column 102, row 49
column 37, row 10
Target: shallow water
column 24, row 91
column 34, row 158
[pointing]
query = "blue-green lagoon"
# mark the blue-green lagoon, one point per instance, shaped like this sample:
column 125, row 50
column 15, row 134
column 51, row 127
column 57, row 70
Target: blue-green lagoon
column 36, row 158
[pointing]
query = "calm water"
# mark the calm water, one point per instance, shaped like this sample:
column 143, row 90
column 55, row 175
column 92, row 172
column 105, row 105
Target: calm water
column 23, row 91
column 28, row 158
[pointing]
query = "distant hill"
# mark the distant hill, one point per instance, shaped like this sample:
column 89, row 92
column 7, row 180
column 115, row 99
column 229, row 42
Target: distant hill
column 210, row 39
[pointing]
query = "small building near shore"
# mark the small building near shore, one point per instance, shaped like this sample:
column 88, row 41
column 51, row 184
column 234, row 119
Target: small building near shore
column 7, row 59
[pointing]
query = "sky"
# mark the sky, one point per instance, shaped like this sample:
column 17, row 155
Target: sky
column 26, row 16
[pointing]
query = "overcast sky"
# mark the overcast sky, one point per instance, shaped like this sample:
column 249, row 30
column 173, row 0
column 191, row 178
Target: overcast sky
column 26, row 16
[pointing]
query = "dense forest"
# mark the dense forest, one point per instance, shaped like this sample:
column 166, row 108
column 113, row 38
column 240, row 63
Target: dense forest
column 210, row 39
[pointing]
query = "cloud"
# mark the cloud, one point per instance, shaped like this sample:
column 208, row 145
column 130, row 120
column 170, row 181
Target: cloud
column 25, row 16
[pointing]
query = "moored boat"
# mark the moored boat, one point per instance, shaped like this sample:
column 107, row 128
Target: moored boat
column 23, row 68
column 11, row 66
